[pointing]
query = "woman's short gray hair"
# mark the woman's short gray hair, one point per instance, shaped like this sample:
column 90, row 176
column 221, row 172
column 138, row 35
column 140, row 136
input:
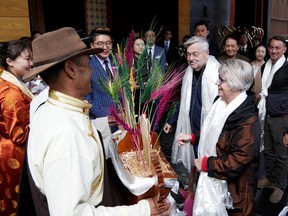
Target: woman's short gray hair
column 196, row 39
column 238, row 73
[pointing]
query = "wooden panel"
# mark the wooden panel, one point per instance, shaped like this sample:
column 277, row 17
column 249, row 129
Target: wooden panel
column 232, row 12
column 184, row 19
column 14, row 8
column 285, row 9
column 279, row 17
column 279, row 27
column 13, row 28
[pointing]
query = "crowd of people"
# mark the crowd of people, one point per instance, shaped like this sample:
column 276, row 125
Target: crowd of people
column 231, row 108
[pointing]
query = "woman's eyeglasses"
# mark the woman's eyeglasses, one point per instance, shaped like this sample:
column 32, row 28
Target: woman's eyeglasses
column 221, row 80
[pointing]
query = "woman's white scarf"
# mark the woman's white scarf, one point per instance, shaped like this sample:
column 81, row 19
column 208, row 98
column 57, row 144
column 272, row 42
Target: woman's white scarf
column 9, row 77
column 211, row 191
column 185, row 154
column 267, row 78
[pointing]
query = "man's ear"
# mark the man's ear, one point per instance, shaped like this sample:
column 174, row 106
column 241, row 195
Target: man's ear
column 70, row 68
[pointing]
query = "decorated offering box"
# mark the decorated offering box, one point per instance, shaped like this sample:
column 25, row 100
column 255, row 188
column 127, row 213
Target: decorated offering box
column 159, row 171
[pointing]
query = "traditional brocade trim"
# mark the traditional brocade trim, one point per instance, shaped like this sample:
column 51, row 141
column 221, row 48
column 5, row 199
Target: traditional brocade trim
column 10, row 77
column 67, row 102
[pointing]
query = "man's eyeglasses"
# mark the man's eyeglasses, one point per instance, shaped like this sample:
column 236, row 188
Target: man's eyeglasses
column 221, row 80
column 101, row 44
column 194, row 54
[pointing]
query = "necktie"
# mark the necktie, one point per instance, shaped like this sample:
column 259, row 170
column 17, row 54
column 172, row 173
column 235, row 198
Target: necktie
column 166, row 46
column 108, row 71
column 149, row 59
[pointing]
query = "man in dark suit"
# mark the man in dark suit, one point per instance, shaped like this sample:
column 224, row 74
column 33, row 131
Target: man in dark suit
column 102, row 67
column 155, row 54
column 245, row 46
column 170, row 48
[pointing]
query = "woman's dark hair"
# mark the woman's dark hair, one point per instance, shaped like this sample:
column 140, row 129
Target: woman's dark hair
column 254, row 52
column 11, row 49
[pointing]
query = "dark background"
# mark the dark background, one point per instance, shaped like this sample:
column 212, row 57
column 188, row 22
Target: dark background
column 125, row 15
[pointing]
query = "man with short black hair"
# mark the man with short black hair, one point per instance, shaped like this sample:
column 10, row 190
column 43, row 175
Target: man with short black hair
column 245, row 46
column 201, row 29
column 170, row 48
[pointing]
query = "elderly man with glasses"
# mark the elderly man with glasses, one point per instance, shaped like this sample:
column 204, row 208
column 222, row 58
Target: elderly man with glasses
column 197, row 95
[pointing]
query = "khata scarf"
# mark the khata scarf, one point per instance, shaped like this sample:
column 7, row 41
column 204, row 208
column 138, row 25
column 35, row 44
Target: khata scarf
column 210, row 192
column 267, row 78
column 185, row 154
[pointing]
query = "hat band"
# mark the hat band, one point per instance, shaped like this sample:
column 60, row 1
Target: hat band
column 36, row 64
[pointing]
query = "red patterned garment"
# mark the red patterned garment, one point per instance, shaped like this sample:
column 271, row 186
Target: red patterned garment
column 14, row 128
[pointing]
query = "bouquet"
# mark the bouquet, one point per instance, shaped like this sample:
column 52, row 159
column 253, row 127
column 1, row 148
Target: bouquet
column 142, row 98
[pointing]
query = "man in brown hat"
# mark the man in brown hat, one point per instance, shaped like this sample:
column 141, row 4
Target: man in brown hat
column 65, row 162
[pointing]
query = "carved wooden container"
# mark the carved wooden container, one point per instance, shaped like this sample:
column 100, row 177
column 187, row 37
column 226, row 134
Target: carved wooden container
column 158, row 161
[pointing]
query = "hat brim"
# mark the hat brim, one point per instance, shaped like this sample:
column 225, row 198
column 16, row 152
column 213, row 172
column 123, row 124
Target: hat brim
column 37, row 70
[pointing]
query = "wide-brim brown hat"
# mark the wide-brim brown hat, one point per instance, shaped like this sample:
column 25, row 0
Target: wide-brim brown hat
column 55, row 47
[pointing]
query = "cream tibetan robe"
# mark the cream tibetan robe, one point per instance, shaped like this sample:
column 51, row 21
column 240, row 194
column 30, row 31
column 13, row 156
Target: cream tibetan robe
column 66, row 159
column 185, row 154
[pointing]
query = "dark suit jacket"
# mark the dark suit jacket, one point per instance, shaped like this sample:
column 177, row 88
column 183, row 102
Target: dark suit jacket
column 159, row 56
column 101, row 101
column 172, row 53
column 248, row 52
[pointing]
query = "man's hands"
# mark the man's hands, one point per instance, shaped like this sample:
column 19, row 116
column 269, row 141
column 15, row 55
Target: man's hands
column 198, row 164
column 167, row 128
column 111, row 121
column 165, row 210
column 183, row 139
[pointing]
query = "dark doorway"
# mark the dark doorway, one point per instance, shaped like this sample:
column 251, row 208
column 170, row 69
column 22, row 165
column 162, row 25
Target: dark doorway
column 126, row 15
column 246, row 7
column 64, row 13
column 122, row 15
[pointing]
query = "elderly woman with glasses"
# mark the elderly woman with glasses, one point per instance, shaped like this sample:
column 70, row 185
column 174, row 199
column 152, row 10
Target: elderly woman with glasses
column 228, row 153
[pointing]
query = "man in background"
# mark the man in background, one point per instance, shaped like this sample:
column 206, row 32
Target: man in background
column 155, row 54
column 273, row 110
column 201, row 29
column 170, row 48
column 231, row 48
column 103, row 71
column 245, row 46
